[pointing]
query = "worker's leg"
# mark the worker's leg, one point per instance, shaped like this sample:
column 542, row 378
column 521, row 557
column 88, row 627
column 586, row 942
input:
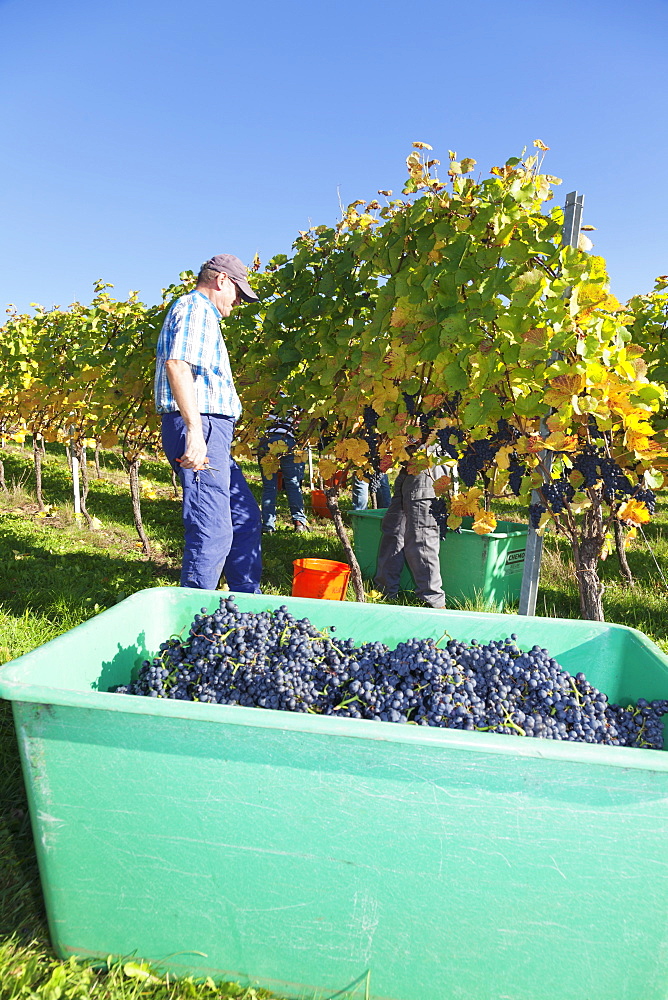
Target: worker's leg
column 243, row 566
column 293, row 476
column 422, row 549
column 207, row 521
column 391, row 549
column 383, row 493
column 360, row 494
column 269, row 494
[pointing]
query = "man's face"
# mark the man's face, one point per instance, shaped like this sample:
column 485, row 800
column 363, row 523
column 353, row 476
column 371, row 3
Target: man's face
column 225, row 296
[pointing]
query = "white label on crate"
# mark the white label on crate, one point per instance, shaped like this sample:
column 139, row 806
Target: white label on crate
column 514, row 559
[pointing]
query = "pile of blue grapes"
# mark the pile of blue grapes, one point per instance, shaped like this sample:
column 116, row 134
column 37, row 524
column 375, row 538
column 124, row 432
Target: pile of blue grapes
column 271, row 659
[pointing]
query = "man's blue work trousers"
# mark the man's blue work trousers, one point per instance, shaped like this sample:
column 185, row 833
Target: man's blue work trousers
column 221, row 517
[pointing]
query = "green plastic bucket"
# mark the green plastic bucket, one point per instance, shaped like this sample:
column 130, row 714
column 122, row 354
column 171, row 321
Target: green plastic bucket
column 474, row 567
column 317, row 856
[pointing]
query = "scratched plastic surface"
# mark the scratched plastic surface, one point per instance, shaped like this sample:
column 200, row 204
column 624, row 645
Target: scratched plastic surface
column 319, row 856
column 472, row 566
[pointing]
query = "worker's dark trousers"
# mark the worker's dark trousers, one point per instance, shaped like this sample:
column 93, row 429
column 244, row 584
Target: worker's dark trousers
column 409, row 533
column 221, row 517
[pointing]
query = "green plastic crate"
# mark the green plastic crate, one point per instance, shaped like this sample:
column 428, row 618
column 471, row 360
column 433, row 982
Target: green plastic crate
column 473, row 567
column 313, row 855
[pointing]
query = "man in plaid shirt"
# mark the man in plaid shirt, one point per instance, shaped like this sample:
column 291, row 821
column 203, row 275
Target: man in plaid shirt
column 194, row 392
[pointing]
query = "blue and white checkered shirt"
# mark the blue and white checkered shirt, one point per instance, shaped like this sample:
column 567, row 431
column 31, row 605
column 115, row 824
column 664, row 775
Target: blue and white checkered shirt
column 191, row 333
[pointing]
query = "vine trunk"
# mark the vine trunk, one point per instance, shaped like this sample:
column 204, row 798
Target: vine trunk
column 37, row 459
column 133, row 467
column 332, row 495
column 587, row 550
column 620, row 547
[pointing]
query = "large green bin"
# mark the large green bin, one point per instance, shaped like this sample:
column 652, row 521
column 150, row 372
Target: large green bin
column 473, row 567
column 322, row 857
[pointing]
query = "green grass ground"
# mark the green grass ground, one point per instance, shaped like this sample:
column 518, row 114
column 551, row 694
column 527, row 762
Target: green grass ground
column 55, row 573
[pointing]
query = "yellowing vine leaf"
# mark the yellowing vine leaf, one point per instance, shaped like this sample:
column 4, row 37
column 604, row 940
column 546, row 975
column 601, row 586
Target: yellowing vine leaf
column 637, row 442
column 578, row 506
column 270, row 464
column 503, row 456
column 555, row 422
column 442, row 485
column 352, row 449
column 398, row 446
column 402, row 314
column 562, row 389
column 466, row 503
column 637, row 421
column 484, row 522
column 561, row 442
column 633, row 511
column 538, row 335
column 327, row 468
column 384, row 394
column 630, row 535
column 543, row 524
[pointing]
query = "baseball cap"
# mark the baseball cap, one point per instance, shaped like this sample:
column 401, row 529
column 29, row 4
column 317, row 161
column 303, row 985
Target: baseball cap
column 236, row 270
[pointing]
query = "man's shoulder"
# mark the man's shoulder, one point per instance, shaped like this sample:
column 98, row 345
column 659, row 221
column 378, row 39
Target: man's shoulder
column 188, row 300
column 192, row 304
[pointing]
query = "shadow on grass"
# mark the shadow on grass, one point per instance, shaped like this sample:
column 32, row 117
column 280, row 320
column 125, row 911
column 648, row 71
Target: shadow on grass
column 108, row 499
column 34, row 576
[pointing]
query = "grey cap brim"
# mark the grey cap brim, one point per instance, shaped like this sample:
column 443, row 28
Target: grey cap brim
column 247, row 293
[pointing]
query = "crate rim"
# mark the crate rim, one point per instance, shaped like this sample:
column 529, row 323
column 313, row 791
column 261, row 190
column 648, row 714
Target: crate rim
column 13, row 688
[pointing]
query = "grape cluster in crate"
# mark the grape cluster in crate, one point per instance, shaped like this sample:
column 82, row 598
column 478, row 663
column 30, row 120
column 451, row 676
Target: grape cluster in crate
column 273, row 660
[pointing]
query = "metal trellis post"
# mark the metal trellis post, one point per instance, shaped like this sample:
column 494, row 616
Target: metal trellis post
column 75, row 475
column 534, row 550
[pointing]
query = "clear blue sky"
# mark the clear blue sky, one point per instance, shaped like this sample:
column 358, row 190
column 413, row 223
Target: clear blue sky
column 141, row 137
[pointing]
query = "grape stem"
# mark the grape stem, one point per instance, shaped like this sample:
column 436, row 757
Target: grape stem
column 509, row 722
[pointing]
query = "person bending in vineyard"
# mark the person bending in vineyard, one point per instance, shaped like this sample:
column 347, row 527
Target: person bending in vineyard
column 410, row 533
column 282, row 428
column 195, row 393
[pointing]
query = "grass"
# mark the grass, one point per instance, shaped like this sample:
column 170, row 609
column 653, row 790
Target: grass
column 55, row 573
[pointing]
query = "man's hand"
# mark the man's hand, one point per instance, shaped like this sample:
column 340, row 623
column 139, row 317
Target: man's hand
column 180, row 378
column 195, row 456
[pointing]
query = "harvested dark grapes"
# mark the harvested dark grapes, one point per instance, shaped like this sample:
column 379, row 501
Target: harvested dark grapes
column 273, row 660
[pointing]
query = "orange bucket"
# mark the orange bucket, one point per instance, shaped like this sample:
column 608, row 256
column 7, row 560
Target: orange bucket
column 319, row 504
column 322, row 578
